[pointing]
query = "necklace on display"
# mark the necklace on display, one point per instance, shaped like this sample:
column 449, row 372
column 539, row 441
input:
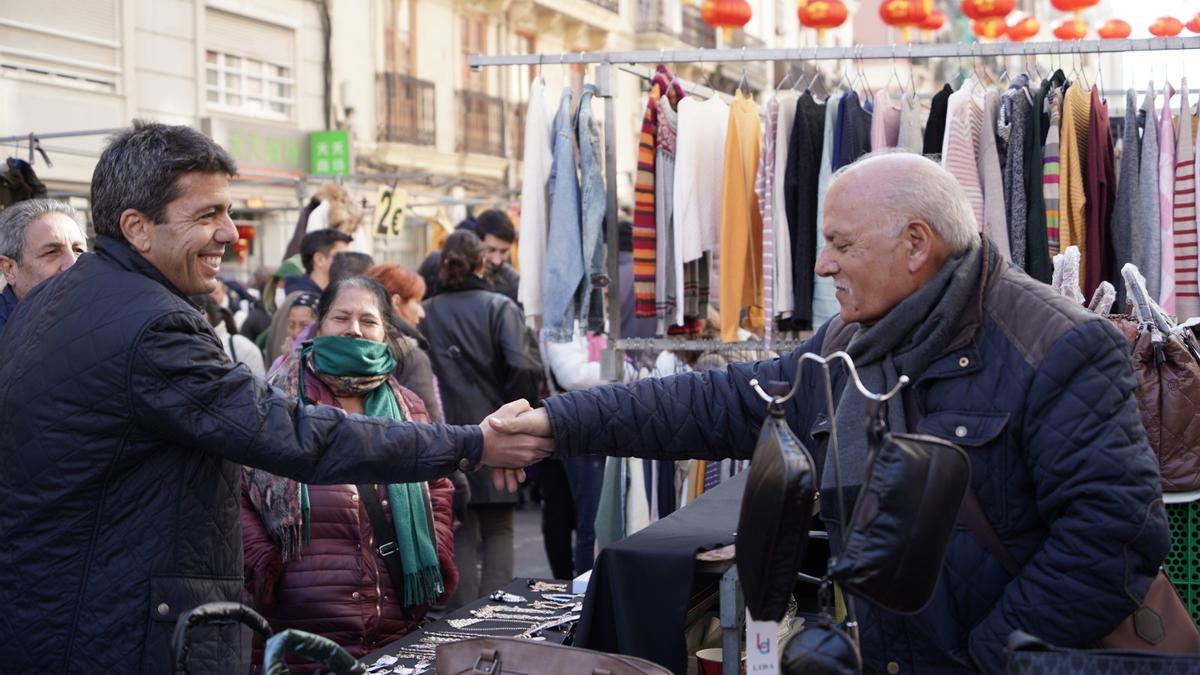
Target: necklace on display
column 562, row 597
column 546, row 587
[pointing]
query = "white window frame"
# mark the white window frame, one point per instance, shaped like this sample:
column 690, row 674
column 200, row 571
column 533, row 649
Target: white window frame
column 244, row 72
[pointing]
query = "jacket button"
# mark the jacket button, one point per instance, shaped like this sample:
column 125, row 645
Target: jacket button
column 163, row 609
column 358, row 547
column 464, row 464
column 964, row 362
column 384, row 502
column 960, row 431
column 893, row 667
column 354, row 497
column 356, row 595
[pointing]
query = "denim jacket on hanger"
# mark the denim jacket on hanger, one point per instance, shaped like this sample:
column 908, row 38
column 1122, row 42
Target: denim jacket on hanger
column 564, row 271
column 594, row 203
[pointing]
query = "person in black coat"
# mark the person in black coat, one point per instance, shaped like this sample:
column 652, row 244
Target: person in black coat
column 123, row 425
column 482, row 356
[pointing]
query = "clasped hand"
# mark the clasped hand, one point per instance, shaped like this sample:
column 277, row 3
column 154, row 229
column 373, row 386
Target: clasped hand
column 514, row 437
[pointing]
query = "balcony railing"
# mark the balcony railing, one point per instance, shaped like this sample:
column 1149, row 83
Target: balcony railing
column 610, row 5
column 518, row 119
column 480, row 123
column 688, row 27
column 407, row 113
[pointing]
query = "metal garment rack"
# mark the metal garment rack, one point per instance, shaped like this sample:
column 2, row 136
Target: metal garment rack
column 606, row 61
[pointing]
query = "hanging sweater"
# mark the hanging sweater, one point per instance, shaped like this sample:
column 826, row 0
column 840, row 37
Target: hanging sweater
column 1127, row 188
column 824, row 304
column 995, row 226
column 1166, row 200
column 764, row 184
column 1145, row 229
column 534, row 214
column 644, row 219
column 806, row 166
column 1014, row 122
column 853, row 136
column 667, row 269
column 785, row 219
column 741, row 222
column 1073, row 163
column 1037, row 247
column 909, row 137
column 1051, row 174
column 964, row 127
column 1187, row 299
column 699, row 174
column 885, row 122
column 1101, row 187
column 935, row 127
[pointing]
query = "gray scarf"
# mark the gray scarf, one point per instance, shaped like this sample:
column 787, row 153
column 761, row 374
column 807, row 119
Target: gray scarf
column 904, row 342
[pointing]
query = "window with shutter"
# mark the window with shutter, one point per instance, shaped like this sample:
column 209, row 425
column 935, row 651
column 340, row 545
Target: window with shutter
column 249, row 66
column 75, row 44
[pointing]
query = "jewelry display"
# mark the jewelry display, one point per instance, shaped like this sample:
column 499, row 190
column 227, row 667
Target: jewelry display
column 546, row 587
column 506, row 608
column 546, row 604
column 562, row 597
column 501, row 596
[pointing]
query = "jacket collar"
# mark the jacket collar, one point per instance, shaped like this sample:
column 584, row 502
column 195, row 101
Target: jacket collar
column 472, row 283
column 120, row 254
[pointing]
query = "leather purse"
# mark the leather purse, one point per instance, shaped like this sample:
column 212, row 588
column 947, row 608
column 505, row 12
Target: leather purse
column 773, row 523
column 510, row 656
column 316, row 648
column 211, row 613
column 820, row 649
column 900, row 527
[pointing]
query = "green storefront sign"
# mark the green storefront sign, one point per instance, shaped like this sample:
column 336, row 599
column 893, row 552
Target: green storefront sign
column 260, row 146
column 330, row 153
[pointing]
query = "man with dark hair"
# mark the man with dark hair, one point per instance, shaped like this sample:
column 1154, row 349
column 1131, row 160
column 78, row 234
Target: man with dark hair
column 38, row 239
column 495, row 229
column 123, row 426
column 349, row 264
column 317, row 251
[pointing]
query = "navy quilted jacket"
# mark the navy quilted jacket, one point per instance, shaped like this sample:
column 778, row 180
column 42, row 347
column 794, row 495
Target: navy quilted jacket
column 122, row 425
column 1039, row 393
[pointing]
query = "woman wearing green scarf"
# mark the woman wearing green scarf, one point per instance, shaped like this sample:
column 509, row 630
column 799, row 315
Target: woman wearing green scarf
column 311, row 558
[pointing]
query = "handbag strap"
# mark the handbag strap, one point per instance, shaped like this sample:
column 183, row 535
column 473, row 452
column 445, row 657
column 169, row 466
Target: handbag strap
column 385, row 540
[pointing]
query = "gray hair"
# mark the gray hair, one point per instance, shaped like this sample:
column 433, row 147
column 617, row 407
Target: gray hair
column 15, row 219
column 928, row 193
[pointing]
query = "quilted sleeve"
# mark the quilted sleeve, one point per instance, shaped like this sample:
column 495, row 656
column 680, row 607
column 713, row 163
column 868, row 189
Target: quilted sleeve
column 709, row 415
column 1097, row 488
column 183, row 388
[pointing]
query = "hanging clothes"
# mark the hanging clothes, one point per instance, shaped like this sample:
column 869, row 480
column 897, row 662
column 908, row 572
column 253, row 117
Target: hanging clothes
column 764, row 182
column 825, row 304
column 1123, row 240
column 885, row 122
column 668, row 271
column 1052, row 175
column 699, row 175
column 534, row 214
column 1101, row 189
column 1166, row 200
column 785, row 219
column 1187, row 298
column 593, row 206
column 910, row 137
column 808, row 163
column 935, row 127
column 741, row 223
column 1037, row 249
column 1073, row 162
column 995, row 226
column 964, row 128
column 852, row 138
column 1146, row 248
column 564, row 245
column 644, row 218
column 1015, row 113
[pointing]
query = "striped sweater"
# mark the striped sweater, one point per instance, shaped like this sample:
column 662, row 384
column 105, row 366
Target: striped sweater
column 1050, row 173
column 1187, row 297
column 964, row 126
column 644, row 215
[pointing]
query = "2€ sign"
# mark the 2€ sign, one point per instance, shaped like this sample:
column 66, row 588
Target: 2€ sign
column 389, row 206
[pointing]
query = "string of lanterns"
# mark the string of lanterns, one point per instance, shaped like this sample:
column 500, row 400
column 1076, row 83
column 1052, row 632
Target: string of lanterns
column 990, row 19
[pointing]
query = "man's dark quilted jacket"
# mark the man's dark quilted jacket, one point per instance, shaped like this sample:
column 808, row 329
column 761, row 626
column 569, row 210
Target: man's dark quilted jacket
column 122, row 425
column 1039, row 393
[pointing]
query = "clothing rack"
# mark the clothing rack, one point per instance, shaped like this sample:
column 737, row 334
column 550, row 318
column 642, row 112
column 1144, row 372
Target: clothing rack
column 604, row 62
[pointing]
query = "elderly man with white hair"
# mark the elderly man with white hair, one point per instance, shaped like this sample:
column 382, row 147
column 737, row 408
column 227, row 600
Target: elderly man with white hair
column 1038, row 391
column 38, row 239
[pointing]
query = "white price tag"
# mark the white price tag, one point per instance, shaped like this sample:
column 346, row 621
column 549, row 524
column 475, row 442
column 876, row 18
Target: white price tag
column 762, row 647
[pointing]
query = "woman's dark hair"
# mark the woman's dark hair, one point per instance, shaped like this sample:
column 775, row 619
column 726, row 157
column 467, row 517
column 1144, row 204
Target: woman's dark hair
column 381, row 300
column 462, row 255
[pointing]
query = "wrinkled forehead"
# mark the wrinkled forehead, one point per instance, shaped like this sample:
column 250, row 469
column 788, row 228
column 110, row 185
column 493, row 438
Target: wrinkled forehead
column 52, row 228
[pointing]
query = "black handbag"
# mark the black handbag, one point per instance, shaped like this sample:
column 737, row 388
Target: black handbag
column 1028, row 655
column 902, row 521
column 773, row 522
column 211, row 613
column 821, row 649
column 313, row 647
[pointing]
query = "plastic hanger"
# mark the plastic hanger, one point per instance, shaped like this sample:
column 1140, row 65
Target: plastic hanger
column 895, row 76
column 742, row 81
column 912, row 80
column 787, row 78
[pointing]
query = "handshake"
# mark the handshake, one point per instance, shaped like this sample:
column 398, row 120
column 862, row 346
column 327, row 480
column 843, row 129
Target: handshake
column 514, row 437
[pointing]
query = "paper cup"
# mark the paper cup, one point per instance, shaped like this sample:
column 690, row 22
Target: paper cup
column 708, row 662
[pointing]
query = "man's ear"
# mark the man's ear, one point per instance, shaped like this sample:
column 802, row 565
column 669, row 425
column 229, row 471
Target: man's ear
column 921, row 241
column 8, row 267
column 136, row 227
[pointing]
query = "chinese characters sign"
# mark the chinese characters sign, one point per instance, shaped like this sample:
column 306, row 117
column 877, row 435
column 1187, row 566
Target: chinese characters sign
column 330, row 153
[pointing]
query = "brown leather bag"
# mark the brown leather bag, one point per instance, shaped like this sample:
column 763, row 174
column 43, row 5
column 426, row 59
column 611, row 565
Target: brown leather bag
column 510, row 656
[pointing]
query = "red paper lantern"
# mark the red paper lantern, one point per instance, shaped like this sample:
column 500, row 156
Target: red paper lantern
column 726, row 15
column 1194, row 24
column 1070, row 29
column 1166, row 26
column 987, row 9
column 822, row 15
column 934, row 21
column 1022, row 27
column 1076, row 6
column 1114, row 29
column 904, row 14
column 989, row 29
